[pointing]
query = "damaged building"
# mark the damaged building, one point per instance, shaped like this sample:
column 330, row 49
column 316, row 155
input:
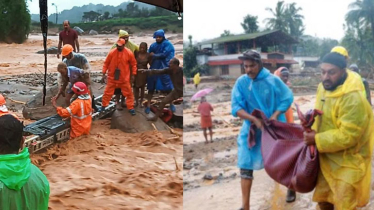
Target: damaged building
column 221, row 54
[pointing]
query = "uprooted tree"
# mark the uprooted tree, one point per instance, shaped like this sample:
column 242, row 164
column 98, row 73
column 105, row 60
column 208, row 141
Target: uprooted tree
column 15, row 21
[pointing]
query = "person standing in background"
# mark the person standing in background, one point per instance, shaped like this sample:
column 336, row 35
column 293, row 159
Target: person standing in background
column 67, row 36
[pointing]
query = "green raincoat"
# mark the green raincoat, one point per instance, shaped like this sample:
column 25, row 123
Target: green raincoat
column 22, row 185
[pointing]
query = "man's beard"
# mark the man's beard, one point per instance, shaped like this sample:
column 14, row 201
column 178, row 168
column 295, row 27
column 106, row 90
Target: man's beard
column 120, row 49
column 334, row 86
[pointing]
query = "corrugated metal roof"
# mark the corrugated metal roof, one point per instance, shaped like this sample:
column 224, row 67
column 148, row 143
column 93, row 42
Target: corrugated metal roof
column 237, row 62
column 241, row 37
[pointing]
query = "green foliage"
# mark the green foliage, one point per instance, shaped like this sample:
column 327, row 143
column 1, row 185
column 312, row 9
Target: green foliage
column 202, row 69
column 326, row 46
column 362, row 11
column 15, row 21
column 189, row 61
column 309, row 47
column 74, row 15
column 151, row 23
column 286, row 18
column 359, row 34
column 226, row 33
column 91, row 16
column 250, row 24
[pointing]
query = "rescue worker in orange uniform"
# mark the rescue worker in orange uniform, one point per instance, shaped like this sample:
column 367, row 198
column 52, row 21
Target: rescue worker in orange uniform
column 3, row 109
column 117, row 65
column 79, row 110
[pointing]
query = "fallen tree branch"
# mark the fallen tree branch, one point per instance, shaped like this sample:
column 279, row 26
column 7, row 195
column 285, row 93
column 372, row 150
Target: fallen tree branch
column 15, row 101
column 154, row 127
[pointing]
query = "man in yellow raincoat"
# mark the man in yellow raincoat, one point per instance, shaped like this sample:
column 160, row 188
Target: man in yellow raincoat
column 196, row 79
column 344, row 138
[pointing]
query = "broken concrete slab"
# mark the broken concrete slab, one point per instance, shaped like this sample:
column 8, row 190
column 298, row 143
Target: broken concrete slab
column 138, row 123
column 34, row 108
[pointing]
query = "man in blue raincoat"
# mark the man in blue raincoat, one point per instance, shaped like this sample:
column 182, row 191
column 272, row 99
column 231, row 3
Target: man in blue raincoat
column 257, row 89
column 162, row 51
column 22, row 185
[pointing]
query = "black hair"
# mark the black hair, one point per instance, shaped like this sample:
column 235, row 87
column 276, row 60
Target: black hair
column 144, row 43
column 175, row 61
column 11, row 134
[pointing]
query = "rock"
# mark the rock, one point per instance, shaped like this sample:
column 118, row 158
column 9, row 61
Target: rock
column 34, row 109
column 208, row 176
column 79, row 30
column 135, row 124
column 219, row 122
column 178, row 42
column 141, row 34
column 93, row 32
column 233, row 175
column 51, row 50
column 186, row 166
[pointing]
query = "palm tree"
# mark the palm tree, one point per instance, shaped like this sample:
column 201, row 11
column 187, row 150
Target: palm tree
column 295, row 20
column 190, row 38
column 279, row 19
column 362, row 10
column 250, row 24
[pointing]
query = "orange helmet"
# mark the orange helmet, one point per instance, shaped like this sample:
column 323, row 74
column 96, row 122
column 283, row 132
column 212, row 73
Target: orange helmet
column 121, row 42
column 2, row 100
column 79, row 88
column 67, row 49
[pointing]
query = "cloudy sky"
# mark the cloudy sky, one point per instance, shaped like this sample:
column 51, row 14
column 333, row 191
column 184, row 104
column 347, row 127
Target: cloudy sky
column 205, row 19
column 68, row 4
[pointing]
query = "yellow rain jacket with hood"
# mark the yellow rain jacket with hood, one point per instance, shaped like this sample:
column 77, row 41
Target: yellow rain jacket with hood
column 129, row 44
column 196, row 79
column 345, row 141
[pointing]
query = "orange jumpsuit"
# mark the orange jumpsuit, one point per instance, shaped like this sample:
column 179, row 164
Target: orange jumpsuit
column 5, row 113
column 121, row 60
column 80, row 112
column 289, row 112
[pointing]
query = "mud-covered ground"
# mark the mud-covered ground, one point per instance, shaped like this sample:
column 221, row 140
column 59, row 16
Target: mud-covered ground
column 210, row 175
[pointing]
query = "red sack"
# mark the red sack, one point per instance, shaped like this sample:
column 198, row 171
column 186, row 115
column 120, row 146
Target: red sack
column 287, row 159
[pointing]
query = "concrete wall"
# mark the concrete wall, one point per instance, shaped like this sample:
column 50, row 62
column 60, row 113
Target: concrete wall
column 300, row 60
column 234, row 70
column 202, row 59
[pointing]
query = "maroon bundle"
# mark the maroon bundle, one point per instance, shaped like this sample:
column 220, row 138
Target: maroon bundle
column 287, row 159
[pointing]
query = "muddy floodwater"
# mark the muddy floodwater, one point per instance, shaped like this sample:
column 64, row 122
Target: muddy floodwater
column 107, row 169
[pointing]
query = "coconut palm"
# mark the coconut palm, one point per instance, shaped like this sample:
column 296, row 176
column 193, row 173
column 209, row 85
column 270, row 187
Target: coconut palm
column 362, row 10
column 279, row 20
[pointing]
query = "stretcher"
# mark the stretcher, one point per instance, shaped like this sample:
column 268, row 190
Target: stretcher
column 54, row 129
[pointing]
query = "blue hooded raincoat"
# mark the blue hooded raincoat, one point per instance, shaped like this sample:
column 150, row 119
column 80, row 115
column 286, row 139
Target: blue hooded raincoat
column 163, row 53
column 266, row 93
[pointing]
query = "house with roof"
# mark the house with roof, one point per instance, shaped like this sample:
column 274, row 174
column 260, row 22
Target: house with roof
column 275, row 47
